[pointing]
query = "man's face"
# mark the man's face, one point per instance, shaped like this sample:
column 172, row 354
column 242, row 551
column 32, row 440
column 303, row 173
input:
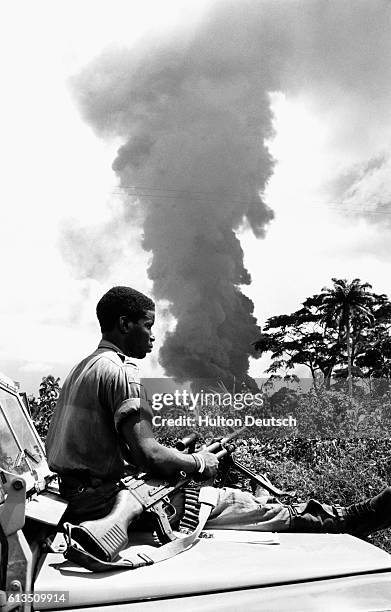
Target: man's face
column 139, row 338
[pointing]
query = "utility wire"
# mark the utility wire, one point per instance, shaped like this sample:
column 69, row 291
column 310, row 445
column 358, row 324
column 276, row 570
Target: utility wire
column 174, row 194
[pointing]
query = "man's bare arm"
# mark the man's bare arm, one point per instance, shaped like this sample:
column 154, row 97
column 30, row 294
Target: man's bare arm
column 149, row 454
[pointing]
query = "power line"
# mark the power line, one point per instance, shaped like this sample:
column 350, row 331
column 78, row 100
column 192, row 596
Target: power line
column 144, row 187
column 171, row 194
column 194, row 199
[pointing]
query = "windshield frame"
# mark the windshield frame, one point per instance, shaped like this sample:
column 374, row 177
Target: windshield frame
column 36, row 474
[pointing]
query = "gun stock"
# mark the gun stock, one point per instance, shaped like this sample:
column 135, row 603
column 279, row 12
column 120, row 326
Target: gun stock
column 106, row 537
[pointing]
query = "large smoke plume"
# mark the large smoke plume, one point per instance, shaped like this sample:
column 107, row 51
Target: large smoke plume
column 193, row 114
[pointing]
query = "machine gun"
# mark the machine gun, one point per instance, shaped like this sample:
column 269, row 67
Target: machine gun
column 229, row 461
column 106, row 537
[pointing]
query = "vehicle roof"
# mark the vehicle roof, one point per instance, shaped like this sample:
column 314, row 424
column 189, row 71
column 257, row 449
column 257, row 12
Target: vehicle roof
column 213, row 565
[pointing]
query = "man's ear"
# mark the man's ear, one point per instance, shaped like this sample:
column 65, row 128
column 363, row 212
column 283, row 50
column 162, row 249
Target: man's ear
column 124, row 324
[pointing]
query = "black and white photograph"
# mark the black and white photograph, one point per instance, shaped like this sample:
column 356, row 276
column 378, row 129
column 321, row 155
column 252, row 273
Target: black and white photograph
column 195, row 323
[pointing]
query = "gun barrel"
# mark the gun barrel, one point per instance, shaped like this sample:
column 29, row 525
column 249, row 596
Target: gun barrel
column 233, row 435
column 214, row 447
column 186, row 442
column 218, row 447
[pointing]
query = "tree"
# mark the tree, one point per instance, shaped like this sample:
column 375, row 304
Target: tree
column 42, row 407
column 348, row 308
column 299, row 339
column 294, row 339
column 374, row 355
column 330, row 331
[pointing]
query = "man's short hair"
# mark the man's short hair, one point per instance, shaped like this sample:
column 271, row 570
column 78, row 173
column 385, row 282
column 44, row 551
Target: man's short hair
column 119, row 301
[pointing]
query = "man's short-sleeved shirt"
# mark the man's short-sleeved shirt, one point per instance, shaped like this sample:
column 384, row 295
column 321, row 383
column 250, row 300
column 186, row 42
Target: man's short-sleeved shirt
column 97, row 395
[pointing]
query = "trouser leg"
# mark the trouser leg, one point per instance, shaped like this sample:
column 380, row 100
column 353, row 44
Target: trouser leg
column 237, row 509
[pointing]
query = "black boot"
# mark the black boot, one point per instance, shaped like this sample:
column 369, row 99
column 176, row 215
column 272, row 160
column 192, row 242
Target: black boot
column 368, row 516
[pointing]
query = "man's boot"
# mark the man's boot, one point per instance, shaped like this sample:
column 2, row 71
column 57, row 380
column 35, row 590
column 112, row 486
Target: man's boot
column 368, row 516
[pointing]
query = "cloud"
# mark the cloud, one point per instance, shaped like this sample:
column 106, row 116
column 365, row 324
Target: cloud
column 194, row 116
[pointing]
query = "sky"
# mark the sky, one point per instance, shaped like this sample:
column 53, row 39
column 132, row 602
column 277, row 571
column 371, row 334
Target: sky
column 321, row 97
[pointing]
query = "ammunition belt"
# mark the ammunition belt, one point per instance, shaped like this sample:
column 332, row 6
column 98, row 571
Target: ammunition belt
column 190, row 518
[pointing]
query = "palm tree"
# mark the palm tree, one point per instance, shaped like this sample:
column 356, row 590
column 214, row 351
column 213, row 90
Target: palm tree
column 347, row 306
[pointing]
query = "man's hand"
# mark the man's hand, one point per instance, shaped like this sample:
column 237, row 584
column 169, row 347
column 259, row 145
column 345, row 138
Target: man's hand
column 211, row 466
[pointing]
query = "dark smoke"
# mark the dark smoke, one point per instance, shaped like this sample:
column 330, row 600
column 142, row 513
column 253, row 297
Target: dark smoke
column 194, row 114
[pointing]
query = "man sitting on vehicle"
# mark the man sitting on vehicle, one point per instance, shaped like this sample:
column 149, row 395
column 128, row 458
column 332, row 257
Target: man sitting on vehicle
column 103, row 422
